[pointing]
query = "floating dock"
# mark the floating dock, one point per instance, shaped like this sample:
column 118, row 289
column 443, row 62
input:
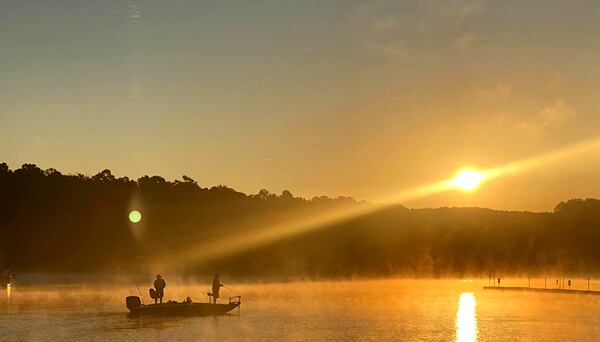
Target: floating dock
column 535, row 289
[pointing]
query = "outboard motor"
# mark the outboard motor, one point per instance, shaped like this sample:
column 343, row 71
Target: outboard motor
column 133, row 302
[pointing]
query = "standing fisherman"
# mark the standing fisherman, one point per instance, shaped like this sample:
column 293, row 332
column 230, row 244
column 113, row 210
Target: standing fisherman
column 159, row 285
column 216, row 286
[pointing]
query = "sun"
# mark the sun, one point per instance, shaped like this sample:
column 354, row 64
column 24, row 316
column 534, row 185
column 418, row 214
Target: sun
column 468, row 179
column 135, row 216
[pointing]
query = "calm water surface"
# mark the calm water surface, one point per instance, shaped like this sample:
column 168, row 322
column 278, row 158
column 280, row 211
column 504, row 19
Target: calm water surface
column 406, row 310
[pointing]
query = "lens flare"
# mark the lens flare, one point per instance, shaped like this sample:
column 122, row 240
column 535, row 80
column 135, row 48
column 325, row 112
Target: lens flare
column 135, row 216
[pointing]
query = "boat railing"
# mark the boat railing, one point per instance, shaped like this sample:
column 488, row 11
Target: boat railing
column 235, row 300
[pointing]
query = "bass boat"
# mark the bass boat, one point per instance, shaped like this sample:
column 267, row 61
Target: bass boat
column 185, row 308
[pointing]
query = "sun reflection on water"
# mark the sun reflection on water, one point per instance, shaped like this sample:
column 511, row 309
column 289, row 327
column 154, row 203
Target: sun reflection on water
column 466, row 322
column 8, row 289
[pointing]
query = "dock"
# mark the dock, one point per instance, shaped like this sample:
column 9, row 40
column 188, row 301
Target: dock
column 535, row 289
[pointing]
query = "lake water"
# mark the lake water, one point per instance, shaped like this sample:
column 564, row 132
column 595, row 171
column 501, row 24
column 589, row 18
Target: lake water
column 400, row 310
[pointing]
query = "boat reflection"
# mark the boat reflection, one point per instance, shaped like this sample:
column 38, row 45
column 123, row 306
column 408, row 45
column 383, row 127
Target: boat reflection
column 466, row 322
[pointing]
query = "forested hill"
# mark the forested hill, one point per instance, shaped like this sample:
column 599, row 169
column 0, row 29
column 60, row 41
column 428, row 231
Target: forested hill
column 74, row 223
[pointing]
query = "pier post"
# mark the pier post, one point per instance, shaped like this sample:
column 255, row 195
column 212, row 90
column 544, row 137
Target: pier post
column 588, row 283
column 544, row 282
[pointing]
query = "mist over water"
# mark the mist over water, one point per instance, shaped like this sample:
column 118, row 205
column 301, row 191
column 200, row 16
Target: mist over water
column 407, row 310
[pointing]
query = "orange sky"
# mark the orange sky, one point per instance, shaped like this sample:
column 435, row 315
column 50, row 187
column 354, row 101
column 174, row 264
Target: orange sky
column 339, row 98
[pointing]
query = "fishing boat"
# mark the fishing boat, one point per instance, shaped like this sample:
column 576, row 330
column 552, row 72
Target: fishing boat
column 185, row 308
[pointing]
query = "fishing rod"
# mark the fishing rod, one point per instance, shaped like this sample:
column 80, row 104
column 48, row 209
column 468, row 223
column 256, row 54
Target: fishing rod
column 140, row 292
column 230, row 289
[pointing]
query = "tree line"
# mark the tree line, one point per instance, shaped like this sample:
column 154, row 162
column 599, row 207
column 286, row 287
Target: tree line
column 54, row 222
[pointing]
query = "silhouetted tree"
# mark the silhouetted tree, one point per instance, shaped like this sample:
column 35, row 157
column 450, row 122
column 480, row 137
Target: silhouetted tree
column 50, row 221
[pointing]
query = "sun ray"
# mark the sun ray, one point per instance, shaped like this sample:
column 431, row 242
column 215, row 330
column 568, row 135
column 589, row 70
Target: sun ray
column 465, row 180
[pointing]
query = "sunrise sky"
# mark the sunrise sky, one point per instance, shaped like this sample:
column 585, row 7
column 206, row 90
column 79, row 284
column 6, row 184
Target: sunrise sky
column 363, row 99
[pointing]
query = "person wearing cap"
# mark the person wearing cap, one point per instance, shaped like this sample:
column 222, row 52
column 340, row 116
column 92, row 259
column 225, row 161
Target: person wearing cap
column 159, row 285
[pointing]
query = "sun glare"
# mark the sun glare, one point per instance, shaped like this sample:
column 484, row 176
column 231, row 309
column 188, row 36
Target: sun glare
column 468, row 180
column 466, row 320
column 135, row 216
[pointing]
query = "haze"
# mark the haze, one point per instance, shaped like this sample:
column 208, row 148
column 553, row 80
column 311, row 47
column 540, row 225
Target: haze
column 349, row 98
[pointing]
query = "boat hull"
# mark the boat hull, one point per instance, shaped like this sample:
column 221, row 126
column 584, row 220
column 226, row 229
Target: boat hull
column 182, row 309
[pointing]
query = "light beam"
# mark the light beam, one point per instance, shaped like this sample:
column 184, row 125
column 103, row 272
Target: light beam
column 465, row 180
